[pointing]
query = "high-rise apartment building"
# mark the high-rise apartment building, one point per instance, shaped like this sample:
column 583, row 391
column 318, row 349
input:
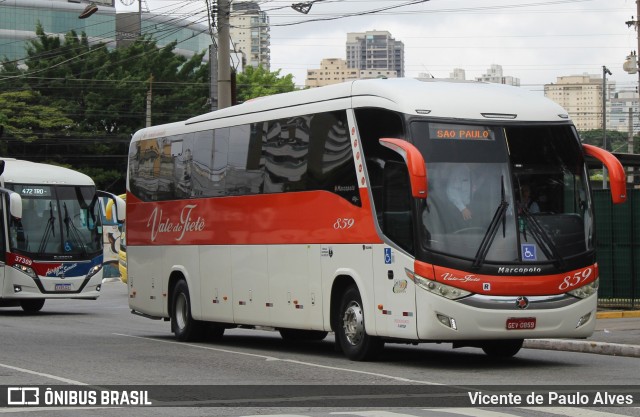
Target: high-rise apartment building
column 249, row 30
column 336, row 70
column 375, row 50
column 581, row 96
column 495, row 75
column 624, row 108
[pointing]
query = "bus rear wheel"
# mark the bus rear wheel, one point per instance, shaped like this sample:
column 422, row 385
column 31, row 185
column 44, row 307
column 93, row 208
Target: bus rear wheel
column 502, row 348
column 32, row 305
column 184, row 327
column 350, row 331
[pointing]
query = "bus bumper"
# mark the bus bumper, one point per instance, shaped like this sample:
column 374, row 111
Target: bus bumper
column 440, row 319
column 18, row 285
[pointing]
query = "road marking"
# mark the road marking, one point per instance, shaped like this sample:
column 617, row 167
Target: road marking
column 51, row 409
column 574, row 412
column 374, row 413
column 273, row 358
column 56, row 378
column 473, row 412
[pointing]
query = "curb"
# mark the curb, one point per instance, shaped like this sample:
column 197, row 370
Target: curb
column 599, row 348
column 617, row 314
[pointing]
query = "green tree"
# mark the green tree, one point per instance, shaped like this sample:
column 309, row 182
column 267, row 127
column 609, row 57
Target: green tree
column 616, row 141
column 25, row 117
column 259, row 82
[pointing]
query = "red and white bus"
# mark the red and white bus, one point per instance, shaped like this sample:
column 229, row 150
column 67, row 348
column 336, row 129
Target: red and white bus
column 385, row 210
column 50, row 234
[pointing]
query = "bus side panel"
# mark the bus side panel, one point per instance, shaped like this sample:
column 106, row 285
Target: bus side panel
column 293, row 304
column 250, row 276
column 184, row 260
column 360, row 270
column 146, row 278
column 216, row 295
column 395, row 293
column 316, row 315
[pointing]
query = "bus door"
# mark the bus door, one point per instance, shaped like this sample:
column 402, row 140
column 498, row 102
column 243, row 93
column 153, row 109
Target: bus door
column 394, row 291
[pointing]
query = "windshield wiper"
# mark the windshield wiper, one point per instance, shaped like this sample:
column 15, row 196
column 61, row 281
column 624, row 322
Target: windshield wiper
column 542, row 238
column 72, row 231
column 492, row 230
column 49, row 229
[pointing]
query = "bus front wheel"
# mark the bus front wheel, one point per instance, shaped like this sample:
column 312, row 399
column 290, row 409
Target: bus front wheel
column 502, row 348
column 32, row 305
column 352, row 338
column 184, row 327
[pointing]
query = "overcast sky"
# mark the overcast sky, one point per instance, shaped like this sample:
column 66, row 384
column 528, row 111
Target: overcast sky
column 534, row 40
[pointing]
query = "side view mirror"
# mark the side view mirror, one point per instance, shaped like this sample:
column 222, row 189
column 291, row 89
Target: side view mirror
column 415, row 164
column 115, row 209
column 15, row 205
column 14, row 201
column 617, row 176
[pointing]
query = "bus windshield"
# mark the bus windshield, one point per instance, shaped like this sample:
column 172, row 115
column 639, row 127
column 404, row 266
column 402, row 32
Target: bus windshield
column 505, row 194
column 57, row 221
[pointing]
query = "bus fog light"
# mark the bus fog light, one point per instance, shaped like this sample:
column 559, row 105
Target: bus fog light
column 17, row 288
column 98, row 287
column 583, row 320
column 447, row 321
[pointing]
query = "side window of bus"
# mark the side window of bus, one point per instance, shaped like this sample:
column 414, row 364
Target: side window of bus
column 285, row 151
column 374, row 124
column 397, row 218
column 331, row 167
column 244, row 174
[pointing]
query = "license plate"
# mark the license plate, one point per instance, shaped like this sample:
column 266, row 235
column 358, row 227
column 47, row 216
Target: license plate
column 521, row 323
column 63, row 287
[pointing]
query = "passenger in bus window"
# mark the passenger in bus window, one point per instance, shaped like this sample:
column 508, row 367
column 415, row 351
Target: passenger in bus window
column 526, row 201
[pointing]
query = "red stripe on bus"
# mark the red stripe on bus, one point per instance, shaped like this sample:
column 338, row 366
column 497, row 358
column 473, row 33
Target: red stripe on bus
column 529, row 285
column 286, row 218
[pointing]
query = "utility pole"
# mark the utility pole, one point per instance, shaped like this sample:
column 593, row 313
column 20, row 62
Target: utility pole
column 224, row 55
column 605, row 71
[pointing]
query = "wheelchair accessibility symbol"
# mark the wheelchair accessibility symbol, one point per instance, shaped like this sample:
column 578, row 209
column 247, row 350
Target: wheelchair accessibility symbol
column 529, row 252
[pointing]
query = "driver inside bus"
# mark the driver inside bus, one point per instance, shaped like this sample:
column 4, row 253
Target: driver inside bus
column 459, row 189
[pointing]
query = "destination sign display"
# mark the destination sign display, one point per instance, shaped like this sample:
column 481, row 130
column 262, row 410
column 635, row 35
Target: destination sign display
column 460, row 132
column 33, row 190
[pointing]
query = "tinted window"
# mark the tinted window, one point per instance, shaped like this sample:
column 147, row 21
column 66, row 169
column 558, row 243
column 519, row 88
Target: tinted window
column 296, row 154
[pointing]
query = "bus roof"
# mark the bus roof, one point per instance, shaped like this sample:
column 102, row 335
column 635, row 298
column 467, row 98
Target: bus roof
column 26, row 172
column 448, row 99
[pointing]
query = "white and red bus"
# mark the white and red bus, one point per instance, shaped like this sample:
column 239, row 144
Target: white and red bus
column 335, row 209
column 50, row 234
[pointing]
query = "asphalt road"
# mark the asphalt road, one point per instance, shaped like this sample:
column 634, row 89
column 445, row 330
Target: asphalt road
column 101, row 344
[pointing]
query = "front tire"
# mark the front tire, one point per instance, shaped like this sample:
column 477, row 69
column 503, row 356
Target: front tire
column 32, row 305
column 184, row 327
column 502, row 348
column 350, row 331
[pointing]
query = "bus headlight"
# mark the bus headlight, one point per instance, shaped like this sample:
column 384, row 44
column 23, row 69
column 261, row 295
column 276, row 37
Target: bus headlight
column 94, row 270
column 26, row 270
column 586, row 290
column 438, row 288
